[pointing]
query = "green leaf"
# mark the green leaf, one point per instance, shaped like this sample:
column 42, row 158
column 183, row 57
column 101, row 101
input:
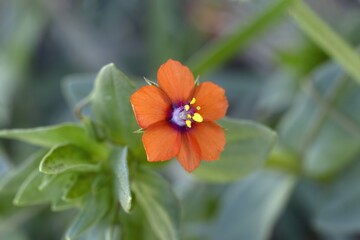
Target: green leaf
column 46, row 180
column 55, row 135
column 120, row 170
column 247, row 147
column 79, row 188
column 215, row 54
column 15, row 178
column 249, row 209
column 95, row 208
column 277, row 94
column 338, row 211
column 111, row 107
column 158, row 202
column 68, row 157
column 323, row 117
column 30, row 194
column 326, row 38
column 135, row 226
column 103, row 229
column 60, row 204
column 7, row 208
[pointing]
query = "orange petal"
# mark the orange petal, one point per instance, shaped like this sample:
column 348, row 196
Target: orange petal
column 212, row 101
column 176, row 80
column 150, row 105
column 161, row 142
column 210, row 138
column 189, row 154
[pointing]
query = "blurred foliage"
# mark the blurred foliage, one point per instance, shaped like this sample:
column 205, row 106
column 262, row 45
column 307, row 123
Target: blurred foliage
column 95, row 172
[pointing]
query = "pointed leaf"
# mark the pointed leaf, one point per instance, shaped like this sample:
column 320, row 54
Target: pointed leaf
column 67, row 158
column 119, row 164
column 158, row 202
column 96, row 206
column 112, row 109
column 61, row 205
column 30, row 194
column 15, row 178
column 247, row 147
column 105, row 228
column 81, row 186
column 253, row 206
column 54, row 135
column 135, row 226
column 46, row 180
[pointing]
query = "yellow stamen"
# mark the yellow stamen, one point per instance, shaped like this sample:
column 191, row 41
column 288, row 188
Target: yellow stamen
column 189, row 116
column 193, row 100
column 198, row 108
column 197, row 117
column 188, row 123
column 187, row 107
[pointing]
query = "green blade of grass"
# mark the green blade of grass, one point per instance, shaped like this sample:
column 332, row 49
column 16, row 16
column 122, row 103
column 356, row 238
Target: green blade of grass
column 317, row 30
column 216, row 53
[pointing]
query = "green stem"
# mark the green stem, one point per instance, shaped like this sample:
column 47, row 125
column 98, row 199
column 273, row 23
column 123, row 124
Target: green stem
column 281, row 159
column 80, row 106
column 326, row 38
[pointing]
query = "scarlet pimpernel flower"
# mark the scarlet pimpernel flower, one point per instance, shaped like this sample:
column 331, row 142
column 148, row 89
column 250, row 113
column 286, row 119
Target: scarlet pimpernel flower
column 178, row 117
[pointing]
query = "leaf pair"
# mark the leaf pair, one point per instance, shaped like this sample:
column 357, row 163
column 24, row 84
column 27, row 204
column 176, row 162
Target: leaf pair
column 33, row 187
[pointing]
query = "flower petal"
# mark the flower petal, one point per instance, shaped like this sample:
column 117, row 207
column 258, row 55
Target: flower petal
column 176, row 80
column 161, row 141
column 212, row 101
column 189, row 154
column 150, row 105
column 210, row 138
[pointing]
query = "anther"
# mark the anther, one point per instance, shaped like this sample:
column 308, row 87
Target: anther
column 197, row 117
column 187, row 107
column 188, row 123
column 193, row 100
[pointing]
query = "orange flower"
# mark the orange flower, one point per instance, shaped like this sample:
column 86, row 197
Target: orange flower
column 178, row 117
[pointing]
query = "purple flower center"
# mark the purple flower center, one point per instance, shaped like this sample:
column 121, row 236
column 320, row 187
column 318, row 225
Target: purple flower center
column 185, row 115
column 180, row 115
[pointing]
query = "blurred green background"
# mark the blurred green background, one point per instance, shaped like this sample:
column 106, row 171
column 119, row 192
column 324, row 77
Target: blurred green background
column 272, row 74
